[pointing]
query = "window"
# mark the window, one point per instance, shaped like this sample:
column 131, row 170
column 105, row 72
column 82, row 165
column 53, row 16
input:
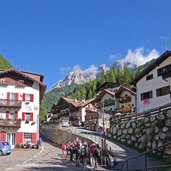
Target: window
column 149, row 77
column 147, row 95
column 163, row 70
column 27, row 116
column 27, row 137
column 21, row 81
column 11, row 116
column 163, row 91
column 27, row 97
column 13, row 96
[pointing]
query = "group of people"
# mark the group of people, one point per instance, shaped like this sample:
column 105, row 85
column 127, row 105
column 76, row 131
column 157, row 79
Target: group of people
column 82, row 152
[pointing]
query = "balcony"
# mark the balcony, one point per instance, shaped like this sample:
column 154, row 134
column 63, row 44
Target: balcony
column 109, row 103
column 125, row 110
column 10, row 103
column 10, row 123
column 125, row 99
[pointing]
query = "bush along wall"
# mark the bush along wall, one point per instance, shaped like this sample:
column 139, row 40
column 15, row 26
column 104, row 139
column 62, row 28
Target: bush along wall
column 144, row 133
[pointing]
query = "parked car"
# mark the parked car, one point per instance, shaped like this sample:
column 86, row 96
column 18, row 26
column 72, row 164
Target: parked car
column 5, row 148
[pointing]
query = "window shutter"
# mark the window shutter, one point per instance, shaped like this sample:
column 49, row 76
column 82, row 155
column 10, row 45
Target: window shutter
column 23, row 116
column 16, row 115
column 16, row 96
column 31, row 116
column 31, row 97
column 34, row 137
column 24, row 97
column 3, row 136
column 8, row 96
column 19, row 138
column 7, row 114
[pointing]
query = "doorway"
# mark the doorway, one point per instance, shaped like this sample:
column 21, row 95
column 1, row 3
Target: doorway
column 11, row 137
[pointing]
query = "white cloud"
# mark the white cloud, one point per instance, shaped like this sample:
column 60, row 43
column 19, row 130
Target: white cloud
column 137, row 56
column 114, row 57
column 92, row 70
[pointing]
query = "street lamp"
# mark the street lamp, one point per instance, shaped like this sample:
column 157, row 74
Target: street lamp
column 104, row 137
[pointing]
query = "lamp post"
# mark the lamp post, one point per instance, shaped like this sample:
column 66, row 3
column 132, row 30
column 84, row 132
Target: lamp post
column 104, row 138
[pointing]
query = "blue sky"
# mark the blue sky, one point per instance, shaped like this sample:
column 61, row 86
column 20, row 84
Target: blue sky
column 52, row 37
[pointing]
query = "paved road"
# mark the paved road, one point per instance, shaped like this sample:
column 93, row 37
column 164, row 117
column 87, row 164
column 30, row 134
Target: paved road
column 120, row 151
column 48, row 158
column 16, row 158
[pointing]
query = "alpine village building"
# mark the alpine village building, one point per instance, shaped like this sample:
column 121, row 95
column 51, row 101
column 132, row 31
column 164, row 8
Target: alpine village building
column 20, row 97
column 153, row 85
column 74, row 109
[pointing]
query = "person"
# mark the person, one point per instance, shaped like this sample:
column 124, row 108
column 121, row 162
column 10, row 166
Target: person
column 92, row 149
column 96, row 155
column 40, row 141
column 71, row 151
column 84, row 155
column 77, row 154
column 63, row 150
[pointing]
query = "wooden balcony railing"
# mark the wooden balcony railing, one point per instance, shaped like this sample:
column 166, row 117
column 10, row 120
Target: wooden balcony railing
column 125, row 110
column 125, row 99
column 16, row 123
column 10, row 103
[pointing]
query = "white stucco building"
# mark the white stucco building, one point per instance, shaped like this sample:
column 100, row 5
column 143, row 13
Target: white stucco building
column 20, row 96
column 153, row 84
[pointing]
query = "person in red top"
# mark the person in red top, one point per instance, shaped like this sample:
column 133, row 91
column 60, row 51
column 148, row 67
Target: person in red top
column 92, row 150
column 63, row 150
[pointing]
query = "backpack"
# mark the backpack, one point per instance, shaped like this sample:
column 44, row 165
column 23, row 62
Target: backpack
column 97, row 152
column 83, row 151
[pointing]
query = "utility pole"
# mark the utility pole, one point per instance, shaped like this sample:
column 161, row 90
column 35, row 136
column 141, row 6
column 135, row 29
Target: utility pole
column 165, row 41
column 104, row 139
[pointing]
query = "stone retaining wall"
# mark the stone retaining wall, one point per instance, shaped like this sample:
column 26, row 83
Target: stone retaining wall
column 144, row 133
column 59, row 136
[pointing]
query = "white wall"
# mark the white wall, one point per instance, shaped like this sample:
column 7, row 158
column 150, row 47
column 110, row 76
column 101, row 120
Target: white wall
column 127, row 103
column 33, row 107
column 151, row 85
column 108, row 96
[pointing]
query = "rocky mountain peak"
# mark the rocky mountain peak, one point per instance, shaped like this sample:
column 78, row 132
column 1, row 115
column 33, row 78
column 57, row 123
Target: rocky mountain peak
column 79, row 76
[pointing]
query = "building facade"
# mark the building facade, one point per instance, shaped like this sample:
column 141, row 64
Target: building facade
column 20, row 96
column 154, row 84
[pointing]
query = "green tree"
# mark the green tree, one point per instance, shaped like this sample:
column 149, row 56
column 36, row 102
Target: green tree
column 83, row 92
column 90, row 94
column 43, row 111
column 4, row 63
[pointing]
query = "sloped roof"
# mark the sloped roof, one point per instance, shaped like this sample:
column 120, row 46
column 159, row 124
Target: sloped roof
column 22, row 73
column 87, row 102
column 154, row 64
column 102, row 93
column 74, row 102
column 107, row 85
column 123, row 88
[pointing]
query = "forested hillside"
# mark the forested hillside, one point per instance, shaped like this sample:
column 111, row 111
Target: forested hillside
column 53, row 95
column 4, row 63
column 87, row 90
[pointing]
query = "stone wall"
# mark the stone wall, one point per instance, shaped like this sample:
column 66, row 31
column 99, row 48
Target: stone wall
column 144, row 133
column 59, row 135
